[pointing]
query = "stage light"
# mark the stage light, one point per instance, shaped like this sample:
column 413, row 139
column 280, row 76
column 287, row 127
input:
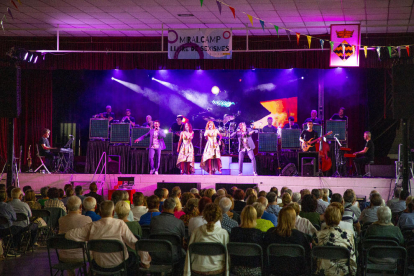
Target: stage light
column 44, row 56
column 26, row 55
column 240, row 80
column 215, row 90
column 165, row 131
column 302, row 78
column 152, row 78
column 112, row 78
column 35, row 60
column 31, row 57
column 223, row 103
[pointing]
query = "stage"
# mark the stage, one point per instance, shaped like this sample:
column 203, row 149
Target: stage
column 148, row 183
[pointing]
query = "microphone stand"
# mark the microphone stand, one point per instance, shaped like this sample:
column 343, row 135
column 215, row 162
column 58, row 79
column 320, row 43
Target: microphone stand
column 337, row 156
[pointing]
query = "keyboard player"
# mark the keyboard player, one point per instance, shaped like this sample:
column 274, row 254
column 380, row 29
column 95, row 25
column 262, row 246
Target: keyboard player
column 44, row 148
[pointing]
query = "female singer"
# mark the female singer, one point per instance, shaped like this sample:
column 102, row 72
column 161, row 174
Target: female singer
column 211, row 161
column 186, row 152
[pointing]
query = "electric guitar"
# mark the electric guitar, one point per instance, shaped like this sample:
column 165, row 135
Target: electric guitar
column 308, row 144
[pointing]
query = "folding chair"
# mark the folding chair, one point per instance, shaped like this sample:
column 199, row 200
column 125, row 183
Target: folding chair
column 287, row 250
column 241, row 250
column 145, row 231
column 410, row 259
column 26, row 234
column 53, row 220
column 178, row 251
column 331, row 253
column 397, row 253
column 163, row 247
column 368, row 243
column 7, row 235
column 60, row 243
column 207, row 249
column 41, row 160
column 44, row 230
column 106, row 246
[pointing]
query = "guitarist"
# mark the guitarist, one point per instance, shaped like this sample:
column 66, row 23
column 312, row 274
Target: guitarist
column 176, row 129
column 307, row 135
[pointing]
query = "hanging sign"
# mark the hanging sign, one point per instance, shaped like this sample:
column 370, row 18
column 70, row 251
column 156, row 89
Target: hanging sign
column 344, row 37
column 200, row 44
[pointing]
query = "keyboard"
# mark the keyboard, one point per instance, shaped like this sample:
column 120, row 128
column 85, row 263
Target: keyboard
column 62, row 150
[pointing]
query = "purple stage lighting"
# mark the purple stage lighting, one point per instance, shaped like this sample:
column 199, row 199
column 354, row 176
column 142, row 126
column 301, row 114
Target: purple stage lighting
column 112, row 78
column 152, row 78
column 31, row 57
column 35, row 60
column 302, row 78
column 26, row 55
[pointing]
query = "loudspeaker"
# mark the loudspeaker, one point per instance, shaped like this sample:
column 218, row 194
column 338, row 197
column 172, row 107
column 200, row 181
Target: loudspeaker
column 114, row 164
column 311, row 154
column 10, row 102
column 308, row 166
column 403, row 91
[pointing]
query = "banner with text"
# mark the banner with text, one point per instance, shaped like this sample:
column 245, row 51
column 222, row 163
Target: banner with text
column 346, row 40
column 200, row 44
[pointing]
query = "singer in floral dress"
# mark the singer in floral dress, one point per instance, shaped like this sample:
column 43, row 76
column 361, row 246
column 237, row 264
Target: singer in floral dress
column 185, row 159
column 211, row 161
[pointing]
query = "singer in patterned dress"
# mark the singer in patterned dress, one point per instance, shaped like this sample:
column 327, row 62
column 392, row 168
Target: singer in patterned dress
column 185, row 159
column 211, row 161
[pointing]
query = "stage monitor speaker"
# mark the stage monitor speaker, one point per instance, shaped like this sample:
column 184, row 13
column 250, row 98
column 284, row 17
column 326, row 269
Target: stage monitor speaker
column 290, row 138
column 289, row 170
column 120, row 133
column 185, row 187
column 138, row 132
column 308, row 154
column 403, row 91
column 228, row 186
column 338, row 128
column 10, row 102
column 114, row 164
column 268, row 142
column 308, row 166
column 98, row 128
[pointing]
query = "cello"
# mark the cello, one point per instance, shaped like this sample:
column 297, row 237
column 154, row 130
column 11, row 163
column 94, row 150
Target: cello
column 325, row 162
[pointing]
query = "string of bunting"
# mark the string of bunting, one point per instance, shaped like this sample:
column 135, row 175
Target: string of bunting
column 309, row 37
column 4, row 17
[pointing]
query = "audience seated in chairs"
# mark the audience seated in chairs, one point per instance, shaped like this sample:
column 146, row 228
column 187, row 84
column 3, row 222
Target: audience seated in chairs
column 351, row 202
column 178, row 211
column 196, row 222
column 53, row 201
column 239, row 202
column 21, row 207
column 396, row 197
column 210, row 232
column 286, row 199
column 348, row 216
column 162, row 194
column 139, row 208
column 272, row 207
column 302, row 224
column 369, row 214
column 226, row 222
column 43, row 192
column 383, row 228
column 262, row 224
column 266, row 215
column 89, row 204
column 69, row 192
column 153, row 210
column 285, row 233
column 190, row 210
column 186, row 197
column 333, row 235
column 114, row 229
column 93, row 188
column 247, row 233
column 322, row 205
column 231, row 213
column 74, row 219
column 399, row 206
column 30, row 199
column 308, row 210
column 407, row 218
column 8, row 212
column 118, row 195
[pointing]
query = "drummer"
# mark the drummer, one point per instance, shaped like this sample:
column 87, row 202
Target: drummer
column 270, row 127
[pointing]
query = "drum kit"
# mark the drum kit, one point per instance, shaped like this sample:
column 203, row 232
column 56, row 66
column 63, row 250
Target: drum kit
column 227, row 126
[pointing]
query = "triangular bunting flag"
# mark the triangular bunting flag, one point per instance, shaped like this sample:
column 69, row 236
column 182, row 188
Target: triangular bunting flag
column 379, row 52
column 332, row 45
column 399, row 51
column 14, row 4
column 201, row 2
column 408, row 49
column 250, row 18
column 297, row 38
column 366, row 51
column 309, row 40
column 262, row 23
column 9, row 11
column 343, row 49
column 288, row 34
column 219, row 6
column 321, row 41
column 390, row 50
column 277, row 31
column 233, row 11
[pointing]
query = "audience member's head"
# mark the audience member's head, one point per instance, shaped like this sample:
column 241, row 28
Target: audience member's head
column 333, row 214
column 194, row 191
column 26, row 188
column 397, row 192
column 117, row 195
column 122, row 209
column 202, row 203
column 74, row 204
column 153, row 202
column 337, row 198
column 232, row 201
column 404, row 194
column 214, row 197
column 296, row 197
column 408, row 200
column 274, row 190
column 260, row 208
column 29, row 196
column 176, row 192
column 107, row 208
column 89, row 203
column 53, row 193
column 191, row 206
column 16, row 193
column 263, row 200
column 304, row 192
column 289, row 191
column 316, row 193
column 376, row 199
column 384, row 215
column 238, row 194
column 160, row 193
column 166, row 192
column 271, row 197
column 261, row 193
column 61, row 193
column 178, row 206
column 221, row 192
column 67, row 186
column 170, row 204
column 44, row 191
column 295, row 206
column 212, row 213
column 185, row 197
column 283, row 190
column 248, row 217
column 251, row 199
column 125, row 196
column 93, row 187
column 286, row 222
column 225, row 204
column 138, row 199
column 69, row 192
column 256, row 189
column 309, row 204
column 210, row 192
column 249, row 191
column 286, row 199
column 349, row 196
column 325, row 194
column 78, row 190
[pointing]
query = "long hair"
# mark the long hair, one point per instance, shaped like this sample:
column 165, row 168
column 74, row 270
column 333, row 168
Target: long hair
column 286, row 221
column 190, row 127
column 212, row 213
column 214, row 127
column 248, row 217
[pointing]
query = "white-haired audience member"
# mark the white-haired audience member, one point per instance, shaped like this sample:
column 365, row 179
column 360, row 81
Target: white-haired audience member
column 226, row 222
column 296, row 197
column 407, row 218
column 89, row 203
column 221, row 192
column 139, row 208
column 266, row 215
column 74, row 219
column 302, row 224
column 194, row 191
column 383, row 226
column 114, row 229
